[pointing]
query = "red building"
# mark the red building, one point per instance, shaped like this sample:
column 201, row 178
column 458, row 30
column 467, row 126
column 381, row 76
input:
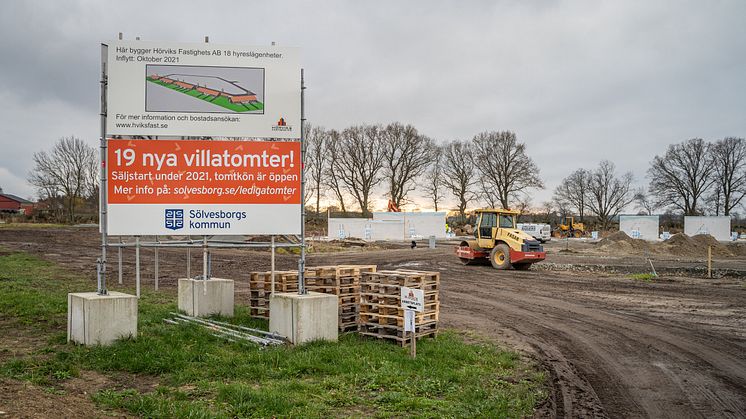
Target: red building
column 12, row 203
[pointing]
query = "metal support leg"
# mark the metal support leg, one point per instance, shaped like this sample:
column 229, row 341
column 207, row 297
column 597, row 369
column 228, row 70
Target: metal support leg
column 119, row 257
column 189, row 262
column 204, row 265
column 272, row 272
column 302, row 261
column 137, row 266
column 156, row 265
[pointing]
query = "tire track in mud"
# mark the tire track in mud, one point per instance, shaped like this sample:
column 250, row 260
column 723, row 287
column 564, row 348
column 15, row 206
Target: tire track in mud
column 604, row 357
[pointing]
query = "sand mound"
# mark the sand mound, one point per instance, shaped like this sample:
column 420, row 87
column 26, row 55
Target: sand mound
column 705, row 239
column 680, row 240
column 617, row 237
column 683, row 245
column 620, row 242
column 737, row 248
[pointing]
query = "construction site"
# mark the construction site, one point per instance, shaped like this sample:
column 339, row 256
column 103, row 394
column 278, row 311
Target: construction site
column 373, row 210
column 607, row 333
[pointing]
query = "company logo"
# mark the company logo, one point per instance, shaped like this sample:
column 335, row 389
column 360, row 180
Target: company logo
column 282, row 125
column 174, row 219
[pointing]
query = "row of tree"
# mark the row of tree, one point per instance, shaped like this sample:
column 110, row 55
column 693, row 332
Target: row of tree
column 350, row 167
column 694, row 177
column 493, row 167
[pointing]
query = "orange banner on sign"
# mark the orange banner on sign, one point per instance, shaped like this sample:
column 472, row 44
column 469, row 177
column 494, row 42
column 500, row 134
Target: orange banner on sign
column 203, row 172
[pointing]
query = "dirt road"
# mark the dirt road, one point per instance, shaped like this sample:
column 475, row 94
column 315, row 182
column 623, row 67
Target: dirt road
column 612, row 346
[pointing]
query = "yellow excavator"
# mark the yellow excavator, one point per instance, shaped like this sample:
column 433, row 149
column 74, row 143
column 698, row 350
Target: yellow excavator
column 569, row 229
column 497, row 239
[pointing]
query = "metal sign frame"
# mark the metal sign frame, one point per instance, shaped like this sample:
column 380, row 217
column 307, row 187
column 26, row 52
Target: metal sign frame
column 189, row 243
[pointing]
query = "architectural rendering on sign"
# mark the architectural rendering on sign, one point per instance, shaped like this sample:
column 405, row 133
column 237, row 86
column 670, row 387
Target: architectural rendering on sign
column 204, row 89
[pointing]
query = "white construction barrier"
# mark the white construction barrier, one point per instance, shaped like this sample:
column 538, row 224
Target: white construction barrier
column 717, row 227
column 343, row 228
column 389, row 226
column 424, row 224
column 643, row 227
column 386, row 230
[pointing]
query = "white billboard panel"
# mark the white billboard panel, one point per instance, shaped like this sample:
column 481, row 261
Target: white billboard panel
column 204, row 219
column 175, row 89
column 646, row 226
column 717, row 227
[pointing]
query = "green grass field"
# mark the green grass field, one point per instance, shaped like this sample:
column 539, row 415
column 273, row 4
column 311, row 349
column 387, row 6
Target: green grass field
column 220, row 100
column 198, row 375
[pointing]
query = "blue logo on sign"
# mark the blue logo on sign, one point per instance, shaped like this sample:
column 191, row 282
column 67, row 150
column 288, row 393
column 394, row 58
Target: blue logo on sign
column 174, row 219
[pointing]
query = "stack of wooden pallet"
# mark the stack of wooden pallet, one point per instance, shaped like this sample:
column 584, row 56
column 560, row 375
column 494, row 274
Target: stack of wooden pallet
column 381, row 315
column 260, row 288
column 342, row 281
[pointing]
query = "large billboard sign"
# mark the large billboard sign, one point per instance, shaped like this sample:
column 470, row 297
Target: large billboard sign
column 185, row 187
column 174, row 89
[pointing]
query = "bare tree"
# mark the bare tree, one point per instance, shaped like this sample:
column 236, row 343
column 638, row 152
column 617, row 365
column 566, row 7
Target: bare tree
column 573, row 191
column 607, row 193
column 406, row 155
column 503, row 164
column 316, row 160
column 714, row 201
column 66, row 170
column 729, row 171
column 682, row 176
column 644, row 201
column 433, row 182
column 332, row 179
column 487, row 192
column 360, row 162
column 547, row 210
column 458, row 174
column 523, row 203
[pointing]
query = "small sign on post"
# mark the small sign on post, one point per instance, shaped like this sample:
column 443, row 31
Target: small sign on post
column 412, row 300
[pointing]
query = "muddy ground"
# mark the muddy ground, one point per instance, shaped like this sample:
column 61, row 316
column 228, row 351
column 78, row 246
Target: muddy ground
column 612, row 345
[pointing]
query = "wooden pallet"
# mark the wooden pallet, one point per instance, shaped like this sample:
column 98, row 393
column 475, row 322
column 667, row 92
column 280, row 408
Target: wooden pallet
column 421, row 319
column 403, row 278
column 340, row 280
column 381, row 315
column 386, row 309
column 349, row 300
column 331, row 282
column 370, row 295
column 395, row 333
column 346, row 290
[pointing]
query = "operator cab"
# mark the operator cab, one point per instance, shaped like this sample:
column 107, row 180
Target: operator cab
column 489, row 221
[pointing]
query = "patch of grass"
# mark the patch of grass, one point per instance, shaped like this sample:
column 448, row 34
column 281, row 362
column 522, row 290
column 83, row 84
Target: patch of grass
column 40, row 370
column 34, row 291
column 647, row 277
column 287, row 250
column 30, row 225
column 203, row 376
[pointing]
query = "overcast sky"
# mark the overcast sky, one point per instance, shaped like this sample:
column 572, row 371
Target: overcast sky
column 578, row 81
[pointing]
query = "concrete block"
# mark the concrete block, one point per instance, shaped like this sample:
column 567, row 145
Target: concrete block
column 195, row 302
column 304, row 318
column 94, row 319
